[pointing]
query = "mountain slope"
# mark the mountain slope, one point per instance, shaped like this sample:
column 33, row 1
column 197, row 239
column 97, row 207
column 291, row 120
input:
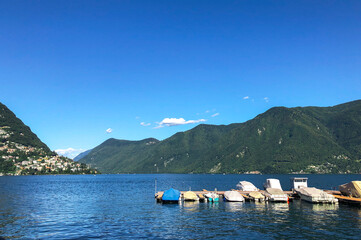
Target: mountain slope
column 112, row 149
column 281, row 140
column 14, row 130
column 81, row 155
column 22, row 152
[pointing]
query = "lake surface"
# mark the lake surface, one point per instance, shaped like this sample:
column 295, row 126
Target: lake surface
column 123, row 206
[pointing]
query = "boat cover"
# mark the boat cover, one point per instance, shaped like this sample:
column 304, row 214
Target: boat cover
column 171, row 195
column 256, row 195
column 275, row 191
column 246, row 186
column 212, row 196
column 233, row 196
column 272, row 183
column 190, row 196
column 311, row 191
column 276, row 195
column 312, row 194
column 352, row 189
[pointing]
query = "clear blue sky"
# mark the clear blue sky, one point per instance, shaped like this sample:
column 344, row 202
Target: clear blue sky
column 73, row 69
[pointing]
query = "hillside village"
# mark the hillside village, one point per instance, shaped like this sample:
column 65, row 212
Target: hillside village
column 18, row 159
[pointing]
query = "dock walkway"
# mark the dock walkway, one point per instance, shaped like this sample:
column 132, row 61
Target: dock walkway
column 345, row 199
column 159, row 194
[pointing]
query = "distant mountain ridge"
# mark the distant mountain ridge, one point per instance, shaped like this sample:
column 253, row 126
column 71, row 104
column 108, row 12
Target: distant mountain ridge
column 81, row 155
column 281, row 140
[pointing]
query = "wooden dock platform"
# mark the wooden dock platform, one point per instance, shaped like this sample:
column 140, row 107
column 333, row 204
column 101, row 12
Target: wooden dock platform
column 201, row 194
column 345, row 199
column 291, row 195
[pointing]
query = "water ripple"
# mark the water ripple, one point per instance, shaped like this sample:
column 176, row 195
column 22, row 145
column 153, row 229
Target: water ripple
column 122, row 206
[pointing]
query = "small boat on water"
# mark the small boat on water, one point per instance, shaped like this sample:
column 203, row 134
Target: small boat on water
column 274, row 192
column 233, row 196
column 171, row 195
column 246, row 186
column 299, row 182
column 351, row 189
column 311, row 194
column 314, row 195
column 256, row 196
column 212, row 197
column 190, row 196
column 276, row 195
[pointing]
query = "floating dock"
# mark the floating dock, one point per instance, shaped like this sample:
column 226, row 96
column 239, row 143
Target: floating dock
column 201, row 194
column 345, row 199
column 292, row 195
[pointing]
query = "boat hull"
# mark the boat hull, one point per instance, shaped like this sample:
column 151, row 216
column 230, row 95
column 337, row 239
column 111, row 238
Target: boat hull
column 190, row 196
column 233, row 196
column 276, row 195
column 256, row 196
column 314, row 195
column 212, row 197
column 351, row 189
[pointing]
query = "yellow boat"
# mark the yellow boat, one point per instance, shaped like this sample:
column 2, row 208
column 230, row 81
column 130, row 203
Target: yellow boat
column 351, row 189
column 256, row 196
column 190, row 196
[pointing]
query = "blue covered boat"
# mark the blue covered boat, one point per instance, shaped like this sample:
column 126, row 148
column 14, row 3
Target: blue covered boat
column 171, row 195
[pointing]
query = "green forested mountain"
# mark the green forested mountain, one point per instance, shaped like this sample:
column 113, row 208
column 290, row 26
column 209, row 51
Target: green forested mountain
column 281, row 140
column 17, row 131
column 22, row 152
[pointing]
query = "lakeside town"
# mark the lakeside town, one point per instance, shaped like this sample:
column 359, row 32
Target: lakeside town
column 19, row 159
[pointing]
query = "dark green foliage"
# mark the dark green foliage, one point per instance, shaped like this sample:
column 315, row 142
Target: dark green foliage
column 21, row 133
column 81, row 155
column 281, row 140
column 7, row 166
column 18, row 143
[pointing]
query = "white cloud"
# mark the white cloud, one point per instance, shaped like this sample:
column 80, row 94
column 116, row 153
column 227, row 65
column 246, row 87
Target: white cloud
column 144, row 124
column 215, row 115
column 246, row 97
column 69, row 152
column 109, row 130
column 168, row 122
column 266, row 99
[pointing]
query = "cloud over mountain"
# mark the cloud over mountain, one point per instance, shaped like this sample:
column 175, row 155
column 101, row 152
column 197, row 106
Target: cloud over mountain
column 69, row 152
column 168, row 122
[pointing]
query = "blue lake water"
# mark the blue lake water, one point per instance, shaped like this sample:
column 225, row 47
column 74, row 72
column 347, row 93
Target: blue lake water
column 123, row 206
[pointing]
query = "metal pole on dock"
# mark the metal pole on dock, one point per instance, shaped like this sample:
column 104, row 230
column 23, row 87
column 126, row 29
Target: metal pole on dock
column 155, row 186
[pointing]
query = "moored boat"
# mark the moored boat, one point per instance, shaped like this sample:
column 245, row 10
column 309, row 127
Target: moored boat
column 190, row 196
column 256, row 196
column 311, row 194
column 272, row 183
column 246, row 186
column 314, row 195
column 299, row 182
column 171, row 195
column 351, row 189
column 212, row 197
column 276, row 195
column 233, row 196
